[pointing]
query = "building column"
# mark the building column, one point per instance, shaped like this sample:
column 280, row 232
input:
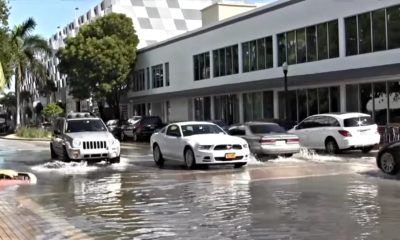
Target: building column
column 276, row 103
column 342, row 38
column 212, row 113
column 342, row 98
column 275, row 51
column 241, row 109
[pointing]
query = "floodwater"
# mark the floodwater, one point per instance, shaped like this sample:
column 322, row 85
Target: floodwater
column 136, row 200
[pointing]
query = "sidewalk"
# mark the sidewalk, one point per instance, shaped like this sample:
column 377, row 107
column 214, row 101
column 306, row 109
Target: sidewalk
column 15, row 137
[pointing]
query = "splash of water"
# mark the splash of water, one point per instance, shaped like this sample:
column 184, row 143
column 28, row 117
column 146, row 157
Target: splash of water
column 65, row 168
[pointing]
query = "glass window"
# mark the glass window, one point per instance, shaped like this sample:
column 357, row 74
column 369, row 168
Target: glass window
column 333, row 31
column 268, row 104
column 379, row 30
column 358, row 122
column 334, row 94
column 266, row 128
column 158, row 76
column 222, row 60
column 207, row 65
column 247, row 106
column 226, row 108
column 366, row 98
column 269, row 54
column 312, row 98
column 302, row 103
column 202, row 107
column 364, row 33
column 148, row 77
column 281, row 48
column 393, row 27
column 394, row 102
column 167, row 74
column 237, row 131
column 292, row 106
column 246, row 57
column 201, row 63
column 351, row 35
column 301, row 45
column 261, row 53
column 291, row 47
column 253, row 55
column 216, row 63
column 323, row 98
column 228, row 61
column 252, row 103
column 173, row 131
column 235, row 58
column 380, row 103
column 322, row 39
column 311, row 44
column 257, row 106
column 352, row 98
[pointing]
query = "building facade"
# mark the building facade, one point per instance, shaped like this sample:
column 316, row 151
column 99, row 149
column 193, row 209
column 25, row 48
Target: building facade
column 343, row 56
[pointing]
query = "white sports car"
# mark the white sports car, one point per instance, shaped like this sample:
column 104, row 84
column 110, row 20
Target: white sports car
column 198, row 143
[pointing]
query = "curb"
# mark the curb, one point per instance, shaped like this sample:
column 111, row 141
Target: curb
column 26, row 139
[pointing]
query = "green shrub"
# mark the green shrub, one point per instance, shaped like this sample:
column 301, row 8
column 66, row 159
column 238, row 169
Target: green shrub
column 33, row 133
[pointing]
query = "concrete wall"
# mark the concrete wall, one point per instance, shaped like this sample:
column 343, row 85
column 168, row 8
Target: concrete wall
column 220, row 11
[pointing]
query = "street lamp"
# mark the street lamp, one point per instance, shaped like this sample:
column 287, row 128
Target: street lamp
column 285, row 71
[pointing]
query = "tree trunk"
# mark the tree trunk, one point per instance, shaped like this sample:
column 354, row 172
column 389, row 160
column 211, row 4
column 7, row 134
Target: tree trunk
column 18, row 118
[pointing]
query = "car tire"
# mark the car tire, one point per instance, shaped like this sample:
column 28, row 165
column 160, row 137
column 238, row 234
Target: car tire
column 239, row 165
column 367, row 149
column 122, row 136
column 157, row 156
column 115, row 160
column 331, row 146
column 190, row 160
column 52, row 152
column 65, row 156
column 388, row 163
column 135, row 137
column 288, row 155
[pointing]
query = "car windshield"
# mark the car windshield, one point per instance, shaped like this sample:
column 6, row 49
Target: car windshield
column 194, row 129
column 85, row 125
column 358, row 122
column 266, row 128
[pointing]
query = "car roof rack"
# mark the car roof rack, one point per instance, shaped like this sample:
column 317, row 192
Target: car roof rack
column 79, row 115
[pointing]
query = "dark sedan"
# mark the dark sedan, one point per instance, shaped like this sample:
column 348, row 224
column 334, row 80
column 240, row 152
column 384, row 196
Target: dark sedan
column 388, row 159
column 265, row 138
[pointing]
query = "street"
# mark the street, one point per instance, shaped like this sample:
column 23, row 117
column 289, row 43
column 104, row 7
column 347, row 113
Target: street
column 304, row 197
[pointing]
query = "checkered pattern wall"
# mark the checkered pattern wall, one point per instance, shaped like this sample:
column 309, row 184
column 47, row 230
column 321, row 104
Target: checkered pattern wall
column 157, row 20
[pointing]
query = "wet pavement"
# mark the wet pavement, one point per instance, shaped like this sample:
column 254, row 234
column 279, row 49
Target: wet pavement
column 309, row 196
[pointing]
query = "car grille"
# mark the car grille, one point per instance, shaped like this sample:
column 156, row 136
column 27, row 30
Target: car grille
column 228, row 147
column 224, row 159
column 94, row 145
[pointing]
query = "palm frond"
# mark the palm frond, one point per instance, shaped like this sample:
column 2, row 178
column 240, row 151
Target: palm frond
column 25, row 29
column 37, row 44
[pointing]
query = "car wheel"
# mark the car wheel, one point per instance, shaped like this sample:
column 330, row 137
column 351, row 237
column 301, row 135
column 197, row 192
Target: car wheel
column 388, row 163
column 190, row 159
column 367, row 149
column 157, row 155
column 239, row 165
column 52, row 152
column 122, row 136
column 288, row 155
column 135, row 137
column 65, row 156
column 331, row 146
column 115, row 160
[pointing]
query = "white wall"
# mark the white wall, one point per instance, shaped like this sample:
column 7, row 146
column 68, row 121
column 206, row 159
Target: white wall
column 310, row 12
column 179, row 109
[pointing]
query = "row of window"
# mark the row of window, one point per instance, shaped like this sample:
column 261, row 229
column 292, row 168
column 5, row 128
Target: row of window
column 158, row 78
column 201, row 66
column 257, row 54
column 373, row 31
column 226, row 108
column 226, row 61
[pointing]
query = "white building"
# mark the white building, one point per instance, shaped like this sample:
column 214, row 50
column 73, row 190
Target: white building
column 343, row 56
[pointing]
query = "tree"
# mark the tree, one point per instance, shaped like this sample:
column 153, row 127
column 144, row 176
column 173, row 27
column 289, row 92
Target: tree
column 98, row 61
column 6, row 68
column 8, row 100
column 52, row 110
column 26, row 48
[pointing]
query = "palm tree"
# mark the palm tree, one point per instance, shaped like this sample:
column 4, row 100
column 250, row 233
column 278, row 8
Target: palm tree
column 27, row 48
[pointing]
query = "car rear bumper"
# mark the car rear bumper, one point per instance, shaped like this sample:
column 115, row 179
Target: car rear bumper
column 276, row 149
column 359, row 142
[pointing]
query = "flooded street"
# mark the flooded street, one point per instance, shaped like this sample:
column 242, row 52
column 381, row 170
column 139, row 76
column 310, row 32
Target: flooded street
column 299, row 198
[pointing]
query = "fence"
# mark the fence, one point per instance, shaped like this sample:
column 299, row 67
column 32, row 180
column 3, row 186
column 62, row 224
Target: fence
column 389, row 134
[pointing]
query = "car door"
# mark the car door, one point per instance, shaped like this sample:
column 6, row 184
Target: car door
column 303, row 131
column 319, row 132
column 57, row 138
column 172, row 139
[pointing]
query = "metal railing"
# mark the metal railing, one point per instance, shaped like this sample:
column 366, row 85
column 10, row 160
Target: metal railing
column 389, row 133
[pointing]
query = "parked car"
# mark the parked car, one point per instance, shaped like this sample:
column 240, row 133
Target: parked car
column 81, row 136
column 128, row 128
column 198, row 143
column 115, row 126
column 338, row 131
column 144, row 127
column 266, row 138
column 388, row 158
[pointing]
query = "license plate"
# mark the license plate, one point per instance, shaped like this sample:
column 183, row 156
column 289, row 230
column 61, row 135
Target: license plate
column 230, row 156
column 280, row 143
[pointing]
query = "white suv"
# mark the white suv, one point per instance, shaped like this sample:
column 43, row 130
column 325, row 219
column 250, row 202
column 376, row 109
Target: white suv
column 81, row 136
column 335, row 132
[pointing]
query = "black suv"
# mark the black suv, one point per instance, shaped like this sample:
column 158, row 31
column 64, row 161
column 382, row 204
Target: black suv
column 146, row 126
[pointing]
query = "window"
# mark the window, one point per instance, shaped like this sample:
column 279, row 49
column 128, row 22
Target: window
column 202, row 106
column 252, row 104
column 379, row 30
column 351, row 36
column 352, row 98
column 157, row 76
column 393, row 27
column 166, row 65
column 323, row 100
column 322, row 41
column 311, row 44
column 364, row 33
column 301, row 45
column 253, row 55
column 366, row 98
column 226, row 108
column 302, row 104
column 333, row 31
column 267, row 129
column 261, row 53
column 257, row 54
column 201, row 66
column 173, row 131
column 245, row 57
column 281, row 48
column 138, row 81
column 312, row 97
column 268, row 104
column 148, row 77
column 225, row 61
column 237, row 131
column 358, row 122
column 291, row 47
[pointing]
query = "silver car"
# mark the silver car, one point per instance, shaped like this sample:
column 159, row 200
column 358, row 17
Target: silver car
column 266, row 138
column 81, row 136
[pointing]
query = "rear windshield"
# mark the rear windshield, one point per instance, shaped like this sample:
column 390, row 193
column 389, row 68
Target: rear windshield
column 151, row 120
column 358, row 122
column 266, row 128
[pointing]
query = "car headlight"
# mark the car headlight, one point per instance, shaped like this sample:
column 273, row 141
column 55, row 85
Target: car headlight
column 111, row 141
column 76, row 143
column 204, row 147
column 246, row 145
